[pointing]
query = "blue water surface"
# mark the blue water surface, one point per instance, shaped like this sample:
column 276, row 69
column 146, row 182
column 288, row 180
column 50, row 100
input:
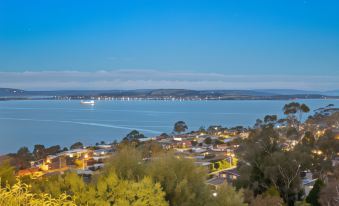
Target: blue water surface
column 26, row 123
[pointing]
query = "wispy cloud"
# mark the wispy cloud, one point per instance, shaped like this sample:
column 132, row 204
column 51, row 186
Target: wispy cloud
column 151, row 79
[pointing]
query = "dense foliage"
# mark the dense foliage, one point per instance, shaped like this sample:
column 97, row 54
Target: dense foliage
column 182, row 181
column 313, row 197
column 129, row 179
column 273, row 156
column 180, row 127
column 19, row 194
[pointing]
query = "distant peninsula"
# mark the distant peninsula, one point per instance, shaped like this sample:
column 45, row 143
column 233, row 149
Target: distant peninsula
column 166, row 94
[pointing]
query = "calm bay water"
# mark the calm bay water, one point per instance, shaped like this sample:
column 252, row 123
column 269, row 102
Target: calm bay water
column 25, row 123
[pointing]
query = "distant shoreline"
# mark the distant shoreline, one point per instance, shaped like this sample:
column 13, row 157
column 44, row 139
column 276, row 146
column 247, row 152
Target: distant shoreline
column 165, row 99
column 165, row 94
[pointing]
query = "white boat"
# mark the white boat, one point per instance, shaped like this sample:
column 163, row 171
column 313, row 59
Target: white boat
column 90, row 102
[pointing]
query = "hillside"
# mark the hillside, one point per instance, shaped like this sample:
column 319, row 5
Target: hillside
column 10, row 93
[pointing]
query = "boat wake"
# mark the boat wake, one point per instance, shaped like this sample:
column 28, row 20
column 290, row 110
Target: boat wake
column 86, row 123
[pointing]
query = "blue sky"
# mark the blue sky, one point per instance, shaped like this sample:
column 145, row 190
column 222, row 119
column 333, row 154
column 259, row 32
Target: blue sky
column 232, row 39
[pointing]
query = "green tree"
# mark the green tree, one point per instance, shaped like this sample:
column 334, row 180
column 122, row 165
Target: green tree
column 134, row 136
column 271, row 197
column 258, row 124
column 22, row 158
column 272, row 191
column 182, row 181
column 226, row 195
column 194, row 143
column 303, row 109
column 308, row 139
column 213, row 129
column 329, row 145
column 262, row 200
column 264, row 163
column 270, row 119
column 164, row 135
column 150, row 148
column 39, row 151
column 105, row 190
column 313, row 196
column 202, row 129
column 180, row 127
column 283, row 171
column 208, row 140
column 329, row 194
column 292, row 133
column 253, row 153
column 53, row 150
column 294, row 108
column 291, row 108
column 302, row 203
column 110, row 190
column 127, row 163
column 77, row 145
column 7, row 174
column 19, row 194
column 55, row 185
